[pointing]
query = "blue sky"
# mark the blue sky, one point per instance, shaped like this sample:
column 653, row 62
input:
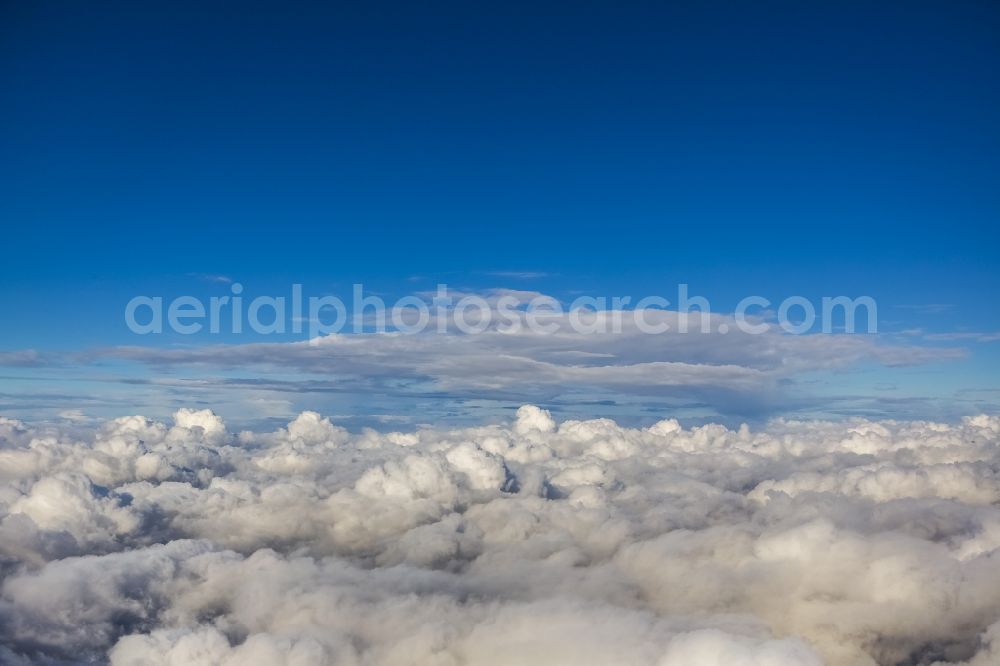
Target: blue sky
column 810, row 149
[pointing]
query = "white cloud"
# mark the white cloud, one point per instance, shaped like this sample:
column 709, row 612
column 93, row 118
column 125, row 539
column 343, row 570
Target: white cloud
column 734, row 373
column 806, row 542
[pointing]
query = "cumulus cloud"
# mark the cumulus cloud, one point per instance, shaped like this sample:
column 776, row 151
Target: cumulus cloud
column 135, row 542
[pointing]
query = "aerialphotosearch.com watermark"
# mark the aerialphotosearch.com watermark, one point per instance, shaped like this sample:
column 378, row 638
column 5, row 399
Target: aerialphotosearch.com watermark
column 501, row 311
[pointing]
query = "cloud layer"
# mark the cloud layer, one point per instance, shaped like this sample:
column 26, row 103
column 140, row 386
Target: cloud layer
column 447, row 375
column 847, row 543
column 587, row 357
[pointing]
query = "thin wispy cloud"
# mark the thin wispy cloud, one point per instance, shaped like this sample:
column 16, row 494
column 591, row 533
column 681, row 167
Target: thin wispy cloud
column 929, row 308
column 21, row 358
column 520, row 275
column 968, row 336
column 217, row 278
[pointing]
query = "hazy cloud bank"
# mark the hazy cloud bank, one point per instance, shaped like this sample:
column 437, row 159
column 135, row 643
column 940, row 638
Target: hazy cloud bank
column 732, row 375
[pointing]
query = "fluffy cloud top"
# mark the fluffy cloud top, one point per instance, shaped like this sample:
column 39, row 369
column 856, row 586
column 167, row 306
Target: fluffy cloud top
column 846, row 543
